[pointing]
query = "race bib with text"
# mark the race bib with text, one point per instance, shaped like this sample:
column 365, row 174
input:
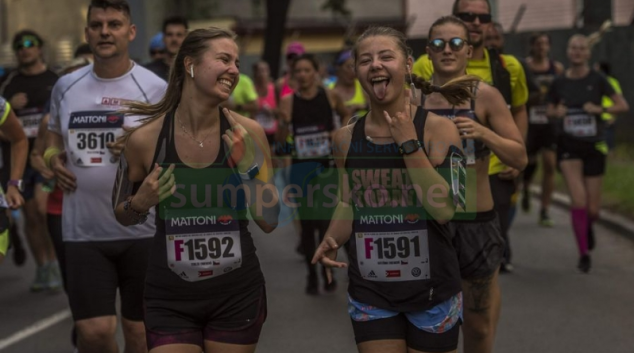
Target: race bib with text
column 89, row 132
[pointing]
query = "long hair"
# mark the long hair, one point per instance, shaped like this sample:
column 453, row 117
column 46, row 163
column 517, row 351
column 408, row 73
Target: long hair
column 194, row 46
column 455, row 91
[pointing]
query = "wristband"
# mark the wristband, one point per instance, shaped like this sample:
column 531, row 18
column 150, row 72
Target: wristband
column 135, row 215
column 50, row 153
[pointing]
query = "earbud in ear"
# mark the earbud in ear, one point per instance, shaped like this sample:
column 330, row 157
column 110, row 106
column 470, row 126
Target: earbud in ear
column 191, row 70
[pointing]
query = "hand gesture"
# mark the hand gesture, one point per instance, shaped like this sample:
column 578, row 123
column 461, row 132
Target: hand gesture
column 14, row 198
column 326, row 253
column 19, row 101
column 155, row 188
column 65, row 178
column 592, row 108
column 469, row 128
column 240, row 144
column 401, row 124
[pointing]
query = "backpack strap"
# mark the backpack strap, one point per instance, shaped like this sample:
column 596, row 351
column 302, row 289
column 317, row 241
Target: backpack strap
column 501, row 76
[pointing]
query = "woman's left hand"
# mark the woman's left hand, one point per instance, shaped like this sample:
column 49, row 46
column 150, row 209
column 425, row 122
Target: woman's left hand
column 469, row 128
column 240, row 144
column 401, row 124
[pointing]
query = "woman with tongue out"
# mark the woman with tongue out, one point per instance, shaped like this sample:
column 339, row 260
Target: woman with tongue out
column 405, row 292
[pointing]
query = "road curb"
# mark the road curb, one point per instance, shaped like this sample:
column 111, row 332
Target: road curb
column 616, row 222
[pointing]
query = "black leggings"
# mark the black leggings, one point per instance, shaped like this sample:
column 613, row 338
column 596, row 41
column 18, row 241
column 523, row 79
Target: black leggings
column 502, row 192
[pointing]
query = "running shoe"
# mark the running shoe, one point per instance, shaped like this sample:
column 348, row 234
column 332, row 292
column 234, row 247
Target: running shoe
column 19, row 254
column 545, row 220
column 591, row 240
column 41, row 279
column 526, row 201
column 54, row 276
column 584, row 263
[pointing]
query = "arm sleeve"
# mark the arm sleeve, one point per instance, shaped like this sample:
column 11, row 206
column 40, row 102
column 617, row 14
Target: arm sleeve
column 454, row 171
column 5, row 109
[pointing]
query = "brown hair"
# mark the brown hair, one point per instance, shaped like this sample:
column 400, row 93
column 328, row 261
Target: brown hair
column 456, row 6
column 194, row 46
column 449, row 20
column 455, row 91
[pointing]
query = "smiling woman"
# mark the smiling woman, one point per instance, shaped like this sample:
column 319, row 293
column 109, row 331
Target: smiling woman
column 204, row 287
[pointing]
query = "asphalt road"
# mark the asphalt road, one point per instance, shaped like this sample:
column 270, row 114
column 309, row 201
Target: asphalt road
column 548, row 306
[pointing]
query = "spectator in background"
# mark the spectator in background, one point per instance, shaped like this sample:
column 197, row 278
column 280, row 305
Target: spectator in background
column 267, row 103
column 605, row 68
column 157, row 47
column 28, row 89
column 82, row 51
column 286, row 84
column 244, row 99
column 174, row 32
column 347, row 87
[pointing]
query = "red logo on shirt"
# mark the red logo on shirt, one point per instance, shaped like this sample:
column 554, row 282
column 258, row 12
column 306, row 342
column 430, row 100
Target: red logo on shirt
column 393, row 273
column 205, row 273
column 225, row 220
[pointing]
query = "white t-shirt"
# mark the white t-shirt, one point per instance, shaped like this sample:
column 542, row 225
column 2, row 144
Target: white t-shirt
column 83, row 111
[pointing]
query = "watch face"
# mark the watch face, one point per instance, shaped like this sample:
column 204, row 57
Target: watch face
column 409, row 146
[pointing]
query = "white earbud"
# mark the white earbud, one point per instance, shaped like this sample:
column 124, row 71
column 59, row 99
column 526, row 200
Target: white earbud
column 191, row 70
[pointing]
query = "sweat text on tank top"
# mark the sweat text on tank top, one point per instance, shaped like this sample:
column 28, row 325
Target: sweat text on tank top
column 202, row 246
column 84, row 112
column 399, row 259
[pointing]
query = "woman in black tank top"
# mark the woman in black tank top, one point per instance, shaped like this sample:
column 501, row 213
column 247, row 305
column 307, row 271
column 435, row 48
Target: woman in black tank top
column 187, row 162
column 478, row 231
column 391, row 216
column 310, row 111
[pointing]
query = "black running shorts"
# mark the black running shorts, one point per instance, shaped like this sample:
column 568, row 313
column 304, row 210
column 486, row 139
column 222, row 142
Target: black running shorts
column 541, row 137
column 96, row 269
column 592, row 154
column 399, row 328
column 479, row 245
column 231, row 318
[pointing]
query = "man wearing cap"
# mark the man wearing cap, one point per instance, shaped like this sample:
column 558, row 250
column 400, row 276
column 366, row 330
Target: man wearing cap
column 285, row 85
column 174, row 32
column 28, row 88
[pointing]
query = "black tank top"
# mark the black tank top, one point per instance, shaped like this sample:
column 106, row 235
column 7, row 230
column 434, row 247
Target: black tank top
column 545, row 78
column 399, row 259
column 474, row 149
column 199, row 230
column 312, row 125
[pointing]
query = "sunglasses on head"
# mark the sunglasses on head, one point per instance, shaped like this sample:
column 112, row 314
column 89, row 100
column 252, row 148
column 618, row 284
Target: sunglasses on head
column 438, row 45
column 471, row 17
column 26, row 43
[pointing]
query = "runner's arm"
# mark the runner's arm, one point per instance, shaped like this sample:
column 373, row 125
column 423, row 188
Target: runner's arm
column 505, row 139
column 37, row 152
column 13, row 131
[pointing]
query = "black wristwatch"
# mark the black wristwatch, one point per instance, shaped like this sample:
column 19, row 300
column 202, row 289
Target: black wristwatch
column 409, row 147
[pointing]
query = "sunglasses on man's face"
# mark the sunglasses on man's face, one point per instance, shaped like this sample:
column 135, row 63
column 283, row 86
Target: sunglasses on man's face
column 25, row 44
column 471, row 17
column 438, row 45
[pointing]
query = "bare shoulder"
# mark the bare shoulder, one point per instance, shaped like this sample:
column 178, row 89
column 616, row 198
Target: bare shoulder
column 486, row 91
column 145, row 135
column 247, row 123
